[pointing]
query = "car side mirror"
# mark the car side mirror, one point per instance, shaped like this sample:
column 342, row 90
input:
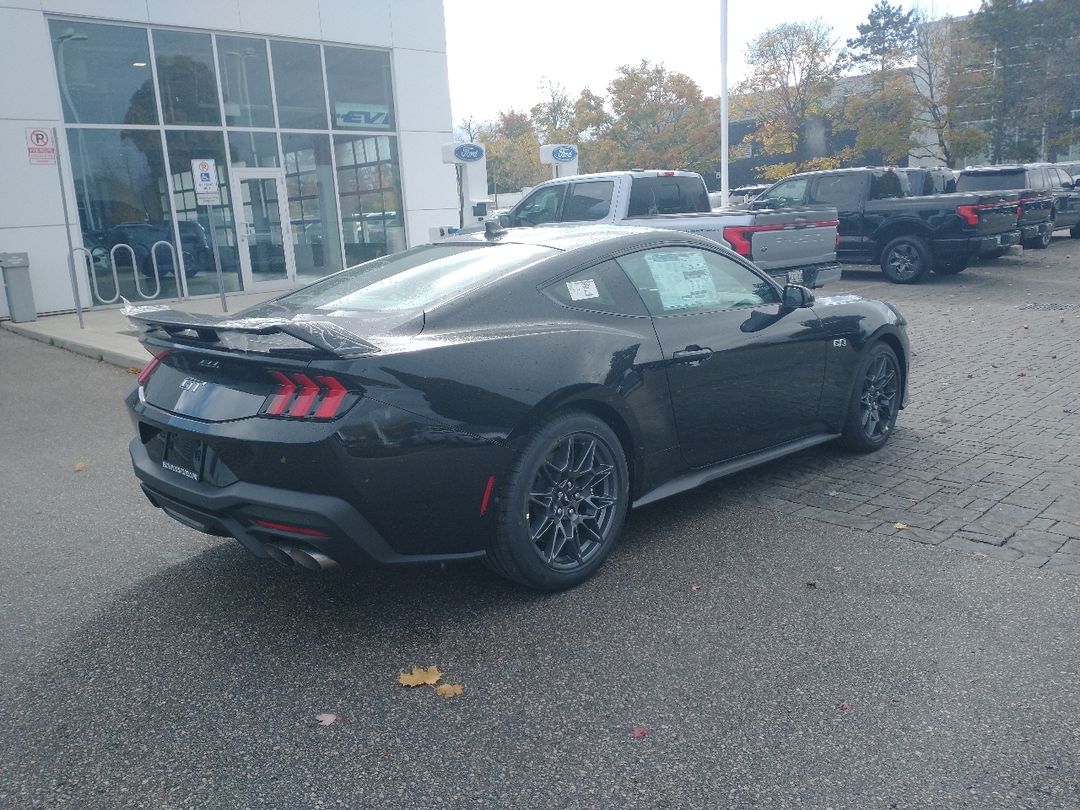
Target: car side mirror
column 796, row 297
column 504, row 220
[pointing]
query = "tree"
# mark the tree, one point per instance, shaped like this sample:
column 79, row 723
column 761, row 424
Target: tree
column 553, row 115
column 886, row 40
column 513, row 151
column 793, row 67
column 950, row 82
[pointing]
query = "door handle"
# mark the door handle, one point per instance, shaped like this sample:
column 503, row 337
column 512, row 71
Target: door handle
column 692, row 354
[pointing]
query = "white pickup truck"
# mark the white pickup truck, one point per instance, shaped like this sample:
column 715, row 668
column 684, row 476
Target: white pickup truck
column 793, row 244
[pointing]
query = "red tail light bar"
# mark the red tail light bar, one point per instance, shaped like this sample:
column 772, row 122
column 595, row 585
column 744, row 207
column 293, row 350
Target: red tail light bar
column 739, row 236
column 155, row 361
column 299, row 396
column 970, row 213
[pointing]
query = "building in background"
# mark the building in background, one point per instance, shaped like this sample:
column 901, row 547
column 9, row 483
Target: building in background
column 324, row 120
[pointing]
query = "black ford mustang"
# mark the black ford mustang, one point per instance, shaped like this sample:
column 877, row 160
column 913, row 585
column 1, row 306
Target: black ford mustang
column 505, row 395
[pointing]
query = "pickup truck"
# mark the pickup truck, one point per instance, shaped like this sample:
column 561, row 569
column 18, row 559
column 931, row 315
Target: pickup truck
column 1047, row 192
column 881, row 222
column 795, row 245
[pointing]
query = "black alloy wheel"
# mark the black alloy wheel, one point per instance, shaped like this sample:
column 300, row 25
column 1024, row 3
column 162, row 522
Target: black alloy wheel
column 905, row 260
column 875, row 401
column 564, row 505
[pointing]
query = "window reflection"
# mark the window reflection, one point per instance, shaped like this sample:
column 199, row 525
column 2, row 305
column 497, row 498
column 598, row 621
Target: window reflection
column 195, row 220
column 369, row 190
column 360, row 95
column 185, row 69
column 298, row 81
column 245, row 82
column 104, row 73
column 253, row 149
column 309, row 182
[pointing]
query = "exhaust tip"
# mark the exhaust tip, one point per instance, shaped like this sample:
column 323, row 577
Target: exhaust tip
column 310, row 558
column 278, row 554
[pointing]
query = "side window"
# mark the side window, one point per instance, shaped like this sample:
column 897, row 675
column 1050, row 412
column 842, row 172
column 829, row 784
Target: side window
column 542, row 206
column 650, row 196
column 685, row 280
column 1062, row 178
column 1036, row 180
column 602, row 288
column 784, row 195
column 588, row 201
column 885, row 185
column 842, row 190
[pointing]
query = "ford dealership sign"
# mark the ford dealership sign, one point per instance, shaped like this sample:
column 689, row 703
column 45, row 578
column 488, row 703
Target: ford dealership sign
column 564, row 154
column 469, row 152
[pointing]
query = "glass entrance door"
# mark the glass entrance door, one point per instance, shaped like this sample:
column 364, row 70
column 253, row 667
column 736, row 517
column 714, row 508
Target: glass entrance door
column 262, row 227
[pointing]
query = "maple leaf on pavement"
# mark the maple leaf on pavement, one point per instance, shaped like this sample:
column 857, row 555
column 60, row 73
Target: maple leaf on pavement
column 449, row 690
column 420, row 676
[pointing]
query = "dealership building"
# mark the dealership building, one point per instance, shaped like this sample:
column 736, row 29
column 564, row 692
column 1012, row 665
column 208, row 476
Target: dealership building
column 315, row 126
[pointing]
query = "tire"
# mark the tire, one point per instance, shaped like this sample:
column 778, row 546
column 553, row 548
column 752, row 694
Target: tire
column 875, row 401
column 905, row 260
column 950, row 267
column 571, row 464
column 1041, row 242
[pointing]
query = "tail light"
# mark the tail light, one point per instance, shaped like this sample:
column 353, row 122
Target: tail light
column 300, row 396
column 739, row 236
column 970, row 213
column 155, row 361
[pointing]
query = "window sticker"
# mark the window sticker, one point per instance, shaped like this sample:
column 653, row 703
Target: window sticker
column 583, row 289
column 683, row 279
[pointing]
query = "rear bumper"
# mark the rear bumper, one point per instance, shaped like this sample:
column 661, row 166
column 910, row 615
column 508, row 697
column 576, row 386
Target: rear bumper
column 975, row 245
column 231, row 511
column 1028, row 232
column 815, row 275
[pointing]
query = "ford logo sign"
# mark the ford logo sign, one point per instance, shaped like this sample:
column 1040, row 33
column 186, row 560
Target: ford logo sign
column 564, row 154
column 469, row 152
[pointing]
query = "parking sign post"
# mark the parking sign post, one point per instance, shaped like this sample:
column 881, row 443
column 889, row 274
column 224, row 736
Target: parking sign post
column 208, row 193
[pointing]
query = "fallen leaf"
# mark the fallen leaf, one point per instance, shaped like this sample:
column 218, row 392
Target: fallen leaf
column 327, row 719
column 79, row 466
column 811, row 585
column 420, row 677
column 971, row 376
column 901, row 526
column 833, row 493
column 449, row 690
column 844, row 706
column 638, row 732
column 134, row 372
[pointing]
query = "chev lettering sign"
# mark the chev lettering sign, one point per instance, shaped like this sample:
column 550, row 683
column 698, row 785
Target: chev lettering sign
column 362, row 116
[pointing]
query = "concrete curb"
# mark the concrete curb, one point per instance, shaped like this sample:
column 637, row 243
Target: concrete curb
column 112, row 357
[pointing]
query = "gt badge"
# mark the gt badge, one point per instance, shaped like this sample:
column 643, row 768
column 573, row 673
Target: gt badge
column 839, row 344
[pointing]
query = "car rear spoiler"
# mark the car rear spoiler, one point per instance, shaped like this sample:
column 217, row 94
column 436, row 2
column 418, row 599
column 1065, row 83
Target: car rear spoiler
column 195, row 328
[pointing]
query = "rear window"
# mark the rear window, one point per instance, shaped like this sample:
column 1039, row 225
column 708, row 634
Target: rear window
column 990, row 181
column 650, row 196
column 418, row 278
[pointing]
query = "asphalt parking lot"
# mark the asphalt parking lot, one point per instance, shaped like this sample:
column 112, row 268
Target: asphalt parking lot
column 776, row 640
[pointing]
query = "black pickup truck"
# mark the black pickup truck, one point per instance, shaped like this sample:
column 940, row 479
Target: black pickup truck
column 1050, row 198
column 881, row 222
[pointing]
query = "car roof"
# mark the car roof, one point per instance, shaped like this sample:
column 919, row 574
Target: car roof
column 994, row 169
column 558, row 237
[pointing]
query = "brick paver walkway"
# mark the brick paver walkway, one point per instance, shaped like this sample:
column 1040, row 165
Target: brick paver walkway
column 986, row 458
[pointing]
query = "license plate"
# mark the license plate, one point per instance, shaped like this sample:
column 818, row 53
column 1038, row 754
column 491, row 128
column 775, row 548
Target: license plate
column 795, row 277
column 183, row 456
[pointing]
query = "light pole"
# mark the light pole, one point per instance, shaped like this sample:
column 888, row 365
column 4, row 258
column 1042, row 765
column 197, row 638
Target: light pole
column 724, row 185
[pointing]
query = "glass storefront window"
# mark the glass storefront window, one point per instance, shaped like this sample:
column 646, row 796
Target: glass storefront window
column 245, row 82
column 369, row 190
column 120, row 195
column 309, row 181
column 298, row 80
column 253, row 149
column 194, row 220
column 185, row 70
column 104, row 73
column 360, row 94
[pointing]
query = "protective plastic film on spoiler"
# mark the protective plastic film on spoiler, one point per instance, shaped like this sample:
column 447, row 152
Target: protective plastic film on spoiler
column 240, row 333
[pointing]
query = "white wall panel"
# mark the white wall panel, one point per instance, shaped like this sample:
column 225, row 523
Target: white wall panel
column 133, row 10
column 214, row 14
column 419, row 24
column 421, row 223
column 49, row 276
column 427, row 181
column 422, row 87
column 26, row 65
column 286, row 18
column 357, row 22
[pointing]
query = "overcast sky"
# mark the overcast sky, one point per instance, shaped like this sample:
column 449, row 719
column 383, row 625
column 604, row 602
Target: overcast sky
column 499, row 53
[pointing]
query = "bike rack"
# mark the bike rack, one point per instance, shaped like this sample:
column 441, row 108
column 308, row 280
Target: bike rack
column 90, row 271
column 175, row 263
column 134, row 269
